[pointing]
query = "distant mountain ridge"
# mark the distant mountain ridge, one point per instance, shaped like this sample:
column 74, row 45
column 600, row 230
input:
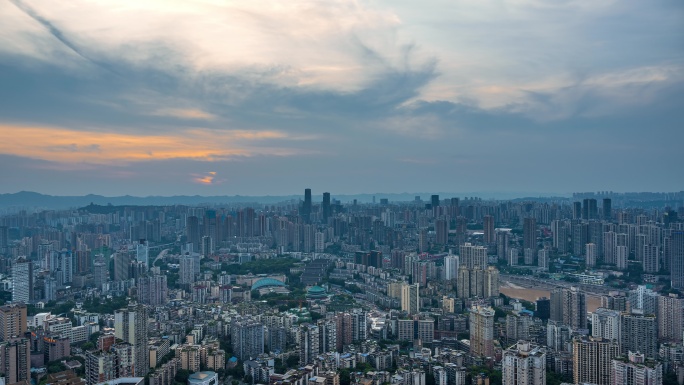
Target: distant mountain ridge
column 30, row 199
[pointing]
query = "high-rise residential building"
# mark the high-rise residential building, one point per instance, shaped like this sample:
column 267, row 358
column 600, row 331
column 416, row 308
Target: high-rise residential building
column 152, row 290
column 22, row 280
column 142, row 253
column 121, row 263
column 592, row 360
column 247, row 337
column 643, row 299
column 482, row 331
column 635, row 369
column 524, row 364
column 4, row 240
column 639, row 332
column 12, row 321
column 410, row 298
column 577, row 210
column 621, row 254
column 100, row 366
column 675, row 245
column 451, row 265
column 308, row 343
column 15, row 360
column 530, row 233
column 590, row 254
column 189, row 268
column 605, row 323
column 614, row 301
column 651, row 258
column 327, row 335
column 488, row 228
column 441, row 231
column 471, row 256
column 477, row 282
column 130, row 325
column 543, row 259
column 569, row 306
column 542, row 308
column 670, row 318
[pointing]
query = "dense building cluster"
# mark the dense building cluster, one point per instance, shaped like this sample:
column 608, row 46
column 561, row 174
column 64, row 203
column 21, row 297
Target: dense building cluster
column 437, row 292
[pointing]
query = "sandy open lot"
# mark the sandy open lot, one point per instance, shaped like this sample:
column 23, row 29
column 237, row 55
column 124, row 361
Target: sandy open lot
column 515, row 291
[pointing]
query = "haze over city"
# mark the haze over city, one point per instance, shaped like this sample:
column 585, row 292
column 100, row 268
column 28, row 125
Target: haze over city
column 259, row 98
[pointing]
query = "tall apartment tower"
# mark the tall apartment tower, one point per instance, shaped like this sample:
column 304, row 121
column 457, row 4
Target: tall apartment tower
column 589, row 209
column 639, row 332
column 308, row 343
column 12, row 321
column 605, row 323
column 15, row 360
column 569, row 306
column 247, row 338
column 530, row 233
column 590, row 254
column 451, row 265
column 670, row 318
column 22, row 280
column 482, row 331
column 636, row 370
column 153, row 290
column 592, row 360
column 130, row 325
column 488, row 227
column 524, row 364
column 676, row 257
column 471, row 256
column 410, row 298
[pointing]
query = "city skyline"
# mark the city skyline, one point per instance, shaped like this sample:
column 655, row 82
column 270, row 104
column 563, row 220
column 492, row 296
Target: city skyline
column 529, row 96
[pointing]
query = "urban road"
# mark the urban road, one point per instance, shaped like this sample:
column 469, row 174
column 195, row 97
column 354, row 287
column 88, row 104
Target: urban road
column 529, row 282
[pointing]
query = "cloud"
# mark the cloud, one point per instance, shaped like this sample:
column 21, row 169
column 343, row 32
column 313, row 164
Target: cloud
column 184, row 113
column 206, row 178
column 70, row 146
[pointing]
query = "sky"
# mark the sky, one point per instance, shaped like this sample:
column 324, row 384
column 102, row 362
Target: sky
column 165, row 97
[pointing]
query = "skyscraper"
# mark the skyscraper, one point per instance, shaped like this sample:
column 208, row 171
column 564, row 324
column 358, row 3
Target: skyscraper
column 308, row 343
column 605, row 323
column 569, row 306
column 442, row 231
column 306, row 206
column 530, row 234
column 639, row 332
column 451, row 264
column 676, row 257
column 524, row 364
column 326, row 208
column 142, row 253
column 592, row 359
column 22, row 280
column 410, row 300
column 471, row 256
column 130, row 325
column 247, row 337
column 192, row 232
column 152, row 290
column 482, row 331
column 434, row 201
column 607, row 209
column 488, row 228
column 670, row 318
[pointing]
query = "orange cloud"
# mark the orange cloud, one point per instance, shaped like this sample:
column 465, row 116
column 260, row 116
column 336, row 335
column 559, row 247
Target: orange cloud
column 206, row 179
column 73, row 146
